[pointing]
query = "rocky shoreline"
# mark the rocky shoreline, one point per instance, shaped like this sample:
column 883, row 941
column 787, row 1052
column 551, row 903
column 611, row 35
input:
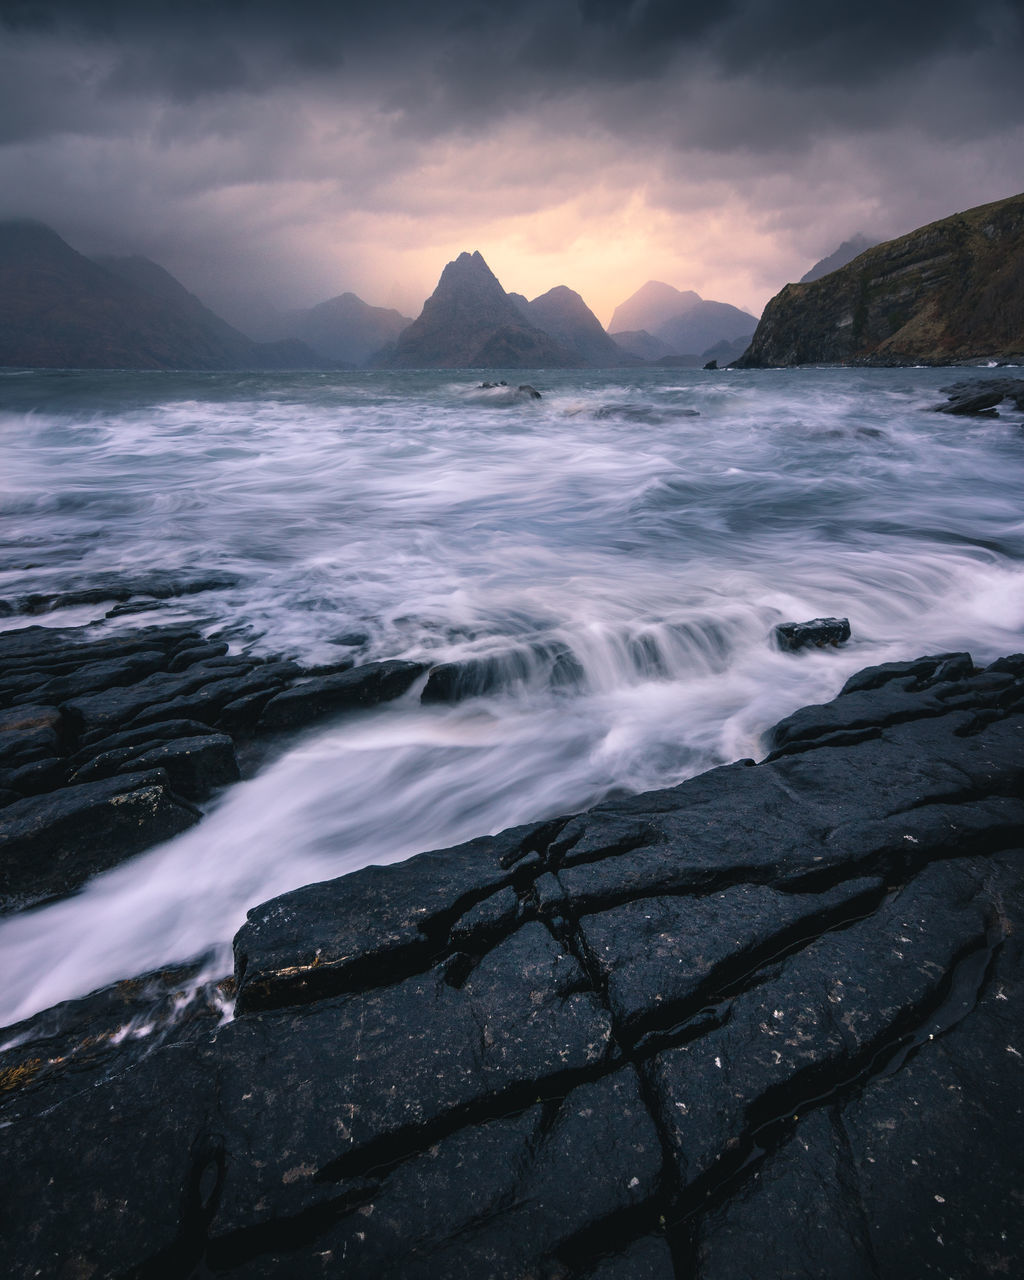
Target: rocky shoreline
column 767, row 1022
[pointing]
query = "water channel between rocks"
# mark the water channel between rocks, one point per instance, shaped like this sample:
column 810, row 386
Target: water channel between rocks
column 622, row 547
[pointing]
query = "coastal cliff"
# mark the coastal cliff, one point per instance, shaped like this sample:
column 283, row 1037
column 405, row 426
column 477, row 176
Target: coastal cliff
column 948, row 292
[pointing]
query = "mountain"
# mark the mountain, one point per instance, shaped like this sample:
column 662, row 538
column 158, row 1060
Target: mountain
column 725, row 352
column 846, row 252
column 947, row 292
column 564, row 316
column 704, row 325
column 643, row 345
column 650, row 307
column 59, row 309
column 346, row 328
column 683, row 323
column 470, row 322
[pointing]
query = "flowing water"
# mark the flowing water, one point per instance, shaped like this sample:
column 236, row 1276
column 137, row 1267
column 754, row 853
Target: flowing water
column 656, row 524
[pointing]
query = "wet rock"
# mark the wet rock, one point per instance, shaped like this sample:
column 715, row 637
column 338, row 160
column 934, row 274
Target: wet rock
column 159, row 584
column 79, row 705
column 982, row 396
column 50, row 844
column 764, row 1022
column 531, row 393
column 29, row 733
column 104, row 711
column 363, row 686
column 95, row 676
column 819, row 632
column 195, row 766
column 146, row 735
column 332, row 937
column 545, row 664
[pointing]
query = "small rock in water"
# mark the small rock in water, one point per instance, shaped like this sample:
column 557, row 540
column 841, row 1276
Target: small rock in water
column 527, row 390
column 819, row 632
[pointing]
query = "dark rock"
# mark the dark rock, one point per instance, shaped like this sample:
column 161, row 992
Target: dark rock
column 99, row 714
column 819, row 632
column 51, row 844
column 406, row 912
column 711, row 364
column 195, row 766
column 200, row 653
column 92, row 677
column 649, row 1258
column 29, row 732
column 39, row 776
column 545, row 664
column 207, row 702
column 979, row 397
column 146, row 735
column 323, row 695
column 766, row 1022
column 531, row 393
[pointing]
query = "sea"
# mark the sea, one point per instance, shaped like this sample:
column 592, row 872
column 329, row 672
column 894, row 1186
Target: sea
column 654, row 525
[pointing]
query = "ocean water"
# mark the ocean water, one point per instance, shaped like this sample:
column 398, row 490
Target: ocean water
column 655, row 524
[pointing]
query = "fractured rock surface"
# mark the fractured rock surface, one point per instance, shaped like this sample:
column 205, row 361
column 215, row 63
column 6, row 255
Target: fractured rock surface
column 766, row 1023
column 107, row 742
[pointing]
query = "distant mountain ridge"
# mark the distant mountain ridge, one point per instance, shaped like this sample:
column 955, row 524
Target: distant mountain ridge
column 60, row 309
column 949, row 291
column 346, row 328
column 676, row 321
column 846, row 252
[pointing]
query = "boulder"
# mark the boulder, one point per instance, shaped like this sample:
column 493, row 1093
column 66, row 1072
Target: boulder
column 819, row 632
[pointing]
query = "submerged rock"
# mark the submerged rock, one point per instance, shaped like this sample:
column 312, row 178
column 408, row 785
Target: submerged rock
column 766, row 1022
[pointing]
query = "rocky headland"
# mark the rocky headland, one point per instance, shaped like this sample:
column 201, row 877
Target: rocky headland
column 950, row 292
column 767, row 1022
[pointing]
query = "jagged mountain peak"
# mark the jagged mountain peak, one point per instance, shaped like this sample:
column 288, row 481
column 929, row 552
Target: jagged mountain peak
column 469, row 321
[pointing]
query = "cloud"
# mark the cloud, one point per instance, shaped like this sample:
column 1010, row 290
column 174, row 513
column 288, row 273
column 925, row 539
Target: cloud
column 303, row 149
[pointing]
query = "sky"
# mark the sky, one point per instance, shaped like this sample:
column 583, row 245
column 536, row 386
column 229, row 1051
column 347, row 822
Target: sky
column 282, row 153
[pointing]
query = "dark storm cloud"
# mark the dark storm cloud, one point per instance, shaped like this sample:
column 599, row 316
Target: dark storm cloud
column 229, row 135
column 452, row 48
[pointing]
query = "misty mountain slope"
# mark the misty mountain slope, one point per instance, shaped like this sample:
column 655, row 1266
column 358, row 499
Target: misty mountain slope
column 643, row 345
column 952, row 290
column 683, row 322
column 704, row 325
column 60, row 309
column 346, row 328
column 469, row 321
column 651, row 305
column 846, row 252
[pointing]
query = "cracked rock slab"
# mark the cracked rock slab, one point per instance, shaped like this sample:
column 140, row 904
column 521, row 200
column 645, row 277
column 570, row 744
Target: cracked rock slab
column 765, row 1023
